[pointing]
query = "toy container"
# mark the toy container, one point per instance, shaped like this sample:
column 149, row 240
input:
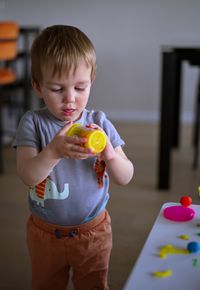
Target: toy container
column 96, row 139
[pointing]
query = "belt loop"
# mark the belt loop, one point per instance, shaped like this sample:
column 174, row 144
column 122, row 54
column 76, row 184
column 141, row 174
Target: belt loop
column 58, row 234
column 73, row 233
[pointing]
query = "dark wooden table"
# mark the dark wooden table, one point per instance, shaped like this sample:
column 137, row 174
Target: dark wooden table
column 171, row 69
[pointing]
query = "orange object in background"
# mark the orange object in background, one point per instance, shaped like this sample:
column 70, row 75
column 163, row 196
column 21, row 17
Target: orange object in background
column 9, row 32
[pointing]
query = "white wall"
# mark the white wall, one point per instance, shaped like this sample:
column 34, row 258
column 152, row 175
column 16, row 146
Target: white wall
column 128, row 36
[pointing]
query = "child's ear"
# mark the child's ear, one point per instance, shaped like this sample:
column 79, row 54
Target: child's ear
column 93, row 79
column 36, row 88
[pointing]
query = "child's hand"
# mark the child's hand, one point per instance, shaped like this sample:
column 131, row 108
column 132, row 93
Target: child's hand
column 64, row 146
column 109, row 152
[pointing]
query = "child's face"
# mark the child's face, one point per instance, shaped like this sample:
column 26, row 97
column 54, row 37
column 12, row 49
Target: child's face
column 66, row 96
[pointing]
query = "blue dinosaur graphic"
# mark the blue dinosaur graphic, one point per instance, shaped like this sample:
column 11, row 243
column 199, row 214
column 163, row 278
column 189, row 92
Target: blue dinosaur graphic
column 47, row 190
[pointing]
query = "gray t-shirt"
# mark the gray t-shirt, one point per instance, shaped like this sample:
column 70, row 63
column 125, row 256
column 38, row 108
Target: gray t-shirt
column 72, row 193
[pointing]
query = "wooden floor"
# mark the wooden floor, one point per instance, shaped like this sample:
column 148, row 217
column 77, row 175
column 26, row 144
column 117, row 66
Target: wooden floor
column 133, row 208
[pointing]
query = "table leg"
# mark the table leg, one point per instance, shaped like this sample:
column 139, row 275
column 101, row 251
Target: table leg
column 166, row 119
column 176, row 91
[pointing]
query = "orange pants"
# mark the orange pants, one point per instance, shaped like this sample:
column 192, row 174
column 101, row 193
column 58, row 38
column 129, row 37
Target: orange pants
column 55, row 249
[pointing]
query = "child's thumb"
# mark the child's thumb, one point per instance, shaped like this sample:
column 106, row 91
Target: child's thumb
column 64, row 129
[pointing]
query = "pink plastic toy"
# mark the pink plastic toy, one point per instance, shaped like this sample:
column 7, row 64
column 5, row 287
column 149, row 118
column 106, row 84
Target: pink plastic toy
column 180, row 213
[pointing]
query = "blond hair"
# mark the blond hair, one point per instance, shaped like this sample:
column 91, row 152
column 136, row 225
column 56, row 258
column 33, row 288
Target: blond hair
column 62, row 47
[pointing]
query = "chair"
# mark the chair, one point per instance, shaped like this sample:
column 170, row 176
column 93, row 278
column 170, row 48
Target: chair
column 9, row 32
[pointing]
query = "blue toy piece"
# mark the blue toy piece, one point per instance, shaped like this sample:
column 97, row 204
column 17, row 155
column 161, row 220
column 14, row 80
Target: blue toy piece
column 193, row 247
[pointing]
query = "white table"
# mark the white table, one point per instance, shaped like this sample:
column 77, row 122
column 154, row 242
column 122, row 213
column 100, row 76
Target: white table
column 185, row 267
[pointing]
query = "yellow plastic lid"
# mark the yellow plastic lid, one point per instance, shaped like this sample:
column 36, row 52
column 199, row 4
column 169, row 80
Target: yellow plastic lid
column 73, row 130
column 96, row 141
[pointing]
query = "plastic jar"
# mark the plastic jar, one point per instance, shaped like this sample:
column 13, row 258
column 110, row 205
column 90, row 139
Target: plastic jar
column 96, row 139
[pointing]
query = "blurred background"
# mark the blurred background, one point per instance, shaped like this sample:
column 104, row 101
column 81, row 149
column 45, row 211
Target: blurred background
column 129, row 37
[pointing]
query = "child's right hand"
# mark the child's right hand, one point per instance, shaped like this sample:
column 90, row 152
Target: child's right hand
column 69, row 147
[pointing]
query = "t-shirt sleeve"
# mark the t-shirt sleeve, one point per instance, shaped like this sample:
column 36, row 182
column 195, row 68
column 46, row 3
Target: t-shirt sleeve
column 26, row 134
column 112, row 134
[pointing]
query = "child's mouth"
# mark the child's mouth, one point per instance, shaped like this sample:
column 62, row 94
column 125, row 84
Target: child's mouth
column 68, row 112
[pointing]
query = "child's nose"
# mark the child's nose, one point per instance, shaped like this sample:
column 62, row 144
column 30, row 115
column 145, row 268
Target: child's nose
column 69, row 96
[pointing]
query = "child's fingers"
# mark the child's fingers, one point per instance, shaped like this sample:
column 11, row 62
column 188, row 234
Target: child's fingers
column 75, row 140
column 64, row 129
column 93, row 126
column 79, row 149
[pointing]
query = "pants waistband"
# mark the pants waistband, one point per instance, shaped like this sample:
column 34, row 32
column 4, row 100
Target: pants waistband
column 68, row 231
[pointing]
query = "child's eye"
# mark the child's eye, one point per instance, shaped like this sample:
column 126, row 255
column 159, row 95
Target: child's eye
column 80, row 89
column 56, row 90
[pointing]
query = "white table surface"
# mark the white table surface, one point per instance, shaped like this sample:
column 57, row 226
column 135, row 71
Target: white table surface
column 185, row 275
